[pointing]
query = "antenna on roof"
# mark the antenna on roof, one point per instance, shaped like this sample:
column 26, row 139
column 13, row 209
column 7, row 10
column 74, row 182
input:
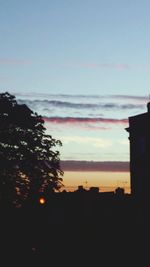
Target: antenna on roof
column 86, row 182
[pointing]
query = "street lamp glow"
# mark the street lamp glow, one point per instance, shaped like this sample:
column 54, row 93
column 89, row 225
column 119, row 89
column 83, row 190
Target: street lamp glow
column 42, row 200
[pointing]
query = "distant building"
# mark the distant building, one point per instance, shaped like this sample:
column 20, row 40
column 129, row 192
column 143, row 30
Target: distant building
column 80, row 189
column 94, row 189
column 119, row 191
column 139, row 136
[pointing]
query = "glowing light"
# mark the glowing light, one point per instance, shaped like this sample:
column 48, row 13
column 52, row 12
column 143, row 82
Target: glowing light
column 42, row 200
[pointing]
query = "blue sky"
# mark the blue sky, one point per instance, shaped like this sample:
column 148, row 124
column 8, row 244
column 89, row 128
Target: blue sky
column 83, row 65
column 75, row 46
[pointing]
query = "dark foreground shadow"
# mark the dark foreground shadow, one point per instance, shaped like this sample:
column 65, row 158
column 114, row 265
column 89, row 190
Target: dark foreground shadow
column 103, row 234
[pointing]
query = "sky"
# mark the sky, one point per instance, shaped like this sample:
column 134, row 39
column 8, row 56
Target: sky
column 84, row 66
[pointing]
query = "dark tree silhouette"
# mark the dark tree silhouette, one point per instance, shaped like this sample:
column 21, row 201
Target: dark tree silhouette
column 29, row 159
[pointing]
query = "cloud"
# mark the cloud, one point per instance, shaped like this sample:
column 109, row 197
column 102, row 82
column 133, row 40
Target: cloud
column 7, row 61
column 83, row 102
column 89, row 112
column 97, row 142
column 111, row 66
column 121, row 66
column 103, row 166
column 47, row 96
column 131, row 97
column 72, row 105
column 84, row 123
column 83, row 120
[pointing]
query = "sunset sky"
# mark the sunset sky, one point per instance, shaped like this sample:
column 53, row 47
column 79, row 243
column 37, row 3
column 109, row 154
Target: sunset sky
column 84, row 66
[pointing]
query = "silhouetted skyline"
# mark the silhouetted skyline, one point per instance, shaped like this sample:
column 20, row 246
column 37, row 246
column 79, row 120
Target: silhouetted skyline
column 86, row 219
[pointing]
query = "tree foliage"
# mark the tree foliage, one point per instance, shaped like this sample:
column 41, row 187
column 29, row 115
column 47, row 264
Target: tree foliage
column 29, row 159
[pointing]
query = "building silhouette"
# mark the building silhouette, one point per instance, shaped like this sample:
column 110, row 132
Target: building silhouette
column 139, row 136
column 119, row 191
